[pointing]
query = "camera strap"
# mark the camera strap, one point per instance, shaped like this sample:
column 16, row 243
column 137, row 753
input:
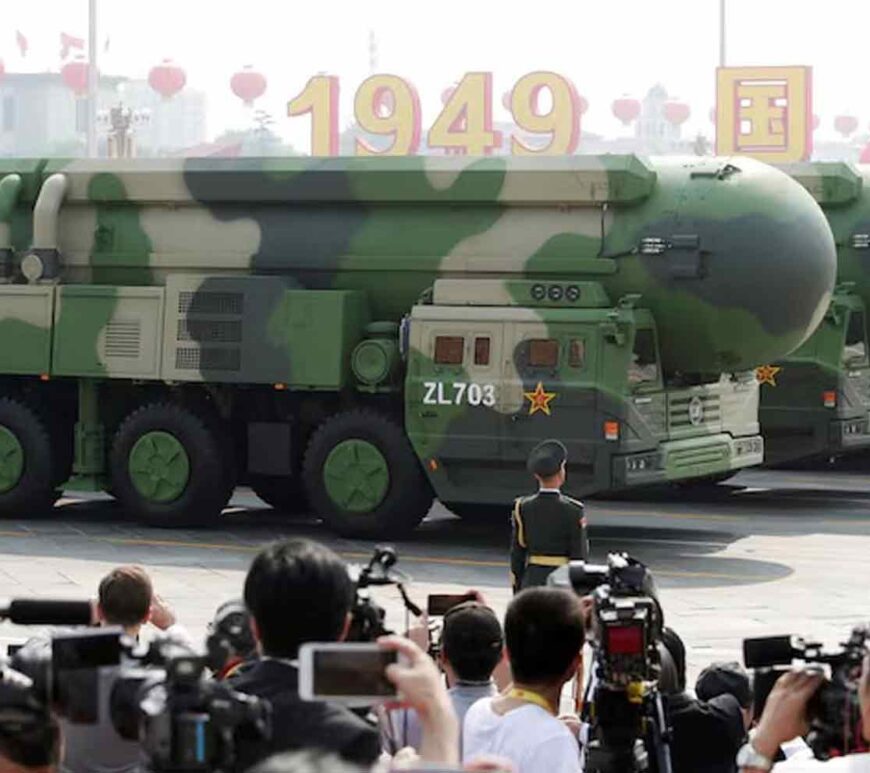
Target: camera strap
column 531, row 697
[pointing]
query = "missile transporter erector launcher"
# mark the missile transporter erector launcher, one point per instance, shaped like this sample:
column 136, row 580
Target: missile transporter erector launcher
column 815, row 402
column 356, row 335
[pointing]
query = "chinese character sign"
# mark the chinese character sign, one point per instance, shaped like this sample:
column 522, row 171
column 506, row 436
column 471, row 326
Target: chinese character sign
column 764, row 112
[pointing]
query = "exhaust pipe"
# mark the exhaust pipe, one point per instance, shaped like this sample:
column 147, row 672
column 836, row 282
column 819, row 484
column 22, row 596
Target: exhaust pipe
column 10, row 187
column 43, row 259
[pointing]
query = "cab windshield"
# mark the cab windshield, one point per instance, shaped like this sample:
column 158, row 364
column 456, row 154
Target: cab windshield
column 644, row 365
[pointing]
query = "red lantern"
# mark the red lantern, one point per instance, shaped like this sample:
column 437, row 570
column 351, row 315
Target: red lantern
column 676, row 113
column 248, row 84
column 75, row 76
column 167, row 79
column 626, row 110
column 817, row 122
column 846, row 124
column 582, row 104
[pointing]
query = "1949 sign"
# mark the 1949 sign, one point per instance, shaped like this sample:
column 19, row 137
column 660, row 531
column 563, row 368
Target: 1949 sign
column 388, row 106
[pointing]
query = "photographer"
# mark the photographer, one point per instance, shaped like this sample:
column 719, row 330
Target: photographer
column 706, row 735
column 471, row 649
column 126, row 598
column 543, row 635
column 299, row 591
column 785, row 717
column 29, row 734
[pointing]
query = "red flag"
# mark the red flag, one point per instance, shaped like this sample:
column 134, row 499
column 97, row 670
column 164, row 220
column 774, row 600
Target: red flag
column 69, row 41
column 22, row 42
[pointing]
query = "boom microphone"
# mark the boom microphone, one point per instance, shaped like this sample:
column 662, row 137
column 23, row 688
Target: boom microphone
column 47, row 612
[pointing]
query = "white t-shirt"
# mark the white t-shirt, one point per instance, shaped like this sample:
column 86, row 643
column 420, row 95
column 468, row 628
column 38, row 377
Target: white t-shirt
column 853, row 763
column 530, row 737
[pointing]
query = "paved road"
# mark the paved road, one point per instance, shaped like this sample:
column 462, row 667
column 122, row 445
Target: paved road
column 772, row 552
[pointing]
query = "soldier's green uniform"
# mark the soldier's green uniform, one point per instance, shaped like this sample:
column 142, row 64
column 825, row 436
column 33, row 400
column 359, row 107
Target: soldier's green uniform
column 548, row 528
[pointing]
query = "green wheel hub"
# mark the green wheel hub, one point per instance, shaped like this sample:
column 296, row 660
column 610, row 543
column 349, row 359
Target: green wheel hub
column 159, row 466
column 356, row 476
column 11, row 459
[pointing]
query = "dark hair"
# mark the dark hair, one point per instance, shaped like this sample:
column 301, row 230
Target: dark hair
column 543, row 631
column 724, row 679
column 677, row 650
column 297, row 591
column 125, row 595
column 29, row 733
column 472, row 641
column 309, row 761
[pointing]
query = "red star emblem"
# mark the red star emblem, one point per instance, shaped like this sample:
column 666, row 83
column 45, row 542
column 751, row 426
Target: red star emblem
column 539, row 399
column 766, row 374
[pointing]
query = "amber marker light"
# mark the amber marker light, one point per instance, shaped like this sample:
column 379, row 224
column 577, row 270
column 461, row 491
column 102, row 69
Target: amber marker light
column 829, row 398
column 611, row 430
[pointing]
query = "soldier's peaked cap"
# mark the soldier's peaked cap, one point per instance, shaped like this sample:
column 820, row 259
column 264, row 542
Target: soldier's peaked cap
column 546, row 458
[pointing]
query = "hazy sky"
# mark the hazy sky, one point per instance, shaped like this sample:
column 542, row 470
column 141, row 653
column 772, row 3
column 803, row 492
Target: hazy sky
column 608, row 47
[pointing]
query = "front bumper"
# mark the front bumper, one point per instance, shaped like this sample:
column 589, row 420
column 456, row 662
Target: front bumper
column 685, row 459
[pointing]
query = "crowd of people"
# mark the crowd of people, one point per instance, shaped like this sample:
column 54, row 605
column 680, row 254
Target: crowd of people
column 491, row 701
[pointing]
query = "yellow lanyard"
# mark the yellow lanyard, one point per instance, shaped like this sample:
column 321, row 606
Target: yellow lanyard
column 531, row 697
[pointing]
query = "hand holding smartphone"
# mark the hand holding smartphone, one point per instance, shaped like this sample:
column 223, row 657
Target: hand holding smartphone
column 350, row 673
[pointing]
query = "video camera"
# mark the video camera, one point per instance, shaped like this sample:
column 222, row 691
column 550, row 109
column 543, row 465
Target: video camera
column 367, row 617
column 628, row 727
column 834, row 712
column 160, row 696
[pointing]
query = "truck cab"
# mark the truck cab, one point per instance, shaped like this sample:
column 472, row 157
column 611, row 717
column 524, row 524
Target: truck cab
column 495, row 367
column 815, row 403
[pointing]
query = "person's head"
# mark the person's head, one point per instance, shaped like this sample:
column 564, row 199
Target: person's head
column 726, row 679
column 547, row 463
column 471, row 641
column 309, row 761
column 29, row 733
column 543, row 630
column 297, row 591
column 675, row 648
column 125, row 596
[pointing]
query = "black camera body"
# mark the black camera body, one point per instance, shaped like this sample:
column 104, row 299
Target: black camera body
column 161, row 697
column 834, row 712
column 627, row 622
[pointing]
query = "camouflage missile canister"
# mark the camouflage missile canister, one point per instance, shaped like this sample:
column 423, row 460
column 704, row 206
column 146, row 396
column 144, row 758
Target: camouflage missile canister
column 287, row 312
column 815, row 402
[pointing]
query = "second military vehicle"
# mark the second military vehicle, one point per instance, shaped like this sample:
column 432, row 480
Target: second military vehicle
column 357, row 335
column 815, row 402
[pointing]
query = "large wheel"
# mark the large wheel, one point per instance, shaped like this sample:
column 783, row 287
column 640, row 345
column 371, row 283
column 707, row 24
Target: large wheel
column 286, row 494
column 29, row 468
column 169, row 467
column 363, row 478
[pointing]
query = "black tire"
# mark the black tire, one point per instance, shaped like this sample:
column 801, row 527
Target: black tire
column 34, row 493
column 286, row 494
column 210, row 480
column 408, row 495
column 477, row 513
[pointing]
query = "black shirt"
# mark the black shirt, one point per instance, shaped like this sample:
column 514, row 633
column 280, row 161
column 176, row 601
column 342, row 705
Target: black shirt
column 706, row 736
column 298, row 724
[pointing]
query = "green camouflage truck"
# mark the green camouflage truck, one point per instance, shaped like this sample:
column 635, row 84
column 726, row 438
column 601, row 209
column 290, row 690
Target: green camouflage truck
column 354, row 336
column 815, row 402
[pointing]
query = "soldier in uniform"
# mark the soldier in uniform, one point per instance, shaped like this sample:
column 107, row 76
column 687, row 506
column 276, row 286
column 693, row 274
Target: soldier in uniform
column 548, row 528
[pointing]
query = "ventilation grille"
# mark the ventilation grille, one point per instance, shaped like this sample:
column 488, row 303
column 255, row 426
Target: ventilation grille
column 211, row 358
column 123, row 338
column 210, row 331
column 199, row 302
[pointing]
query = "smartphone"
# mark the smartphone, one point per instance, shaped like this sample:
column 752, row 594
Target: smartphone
column 345, row 672
column 439, row 604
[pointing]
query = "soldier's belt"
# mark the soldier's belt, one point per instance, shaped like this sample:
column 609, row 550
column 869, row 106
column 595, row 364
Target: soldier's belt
column 547, row 560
